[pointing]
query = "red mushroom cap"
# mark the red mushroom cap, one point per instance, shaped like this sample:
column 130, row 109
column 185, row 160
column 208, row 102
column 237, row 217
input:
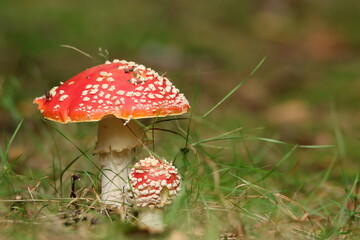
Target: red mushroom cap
column 124, row 89
column 155, row 182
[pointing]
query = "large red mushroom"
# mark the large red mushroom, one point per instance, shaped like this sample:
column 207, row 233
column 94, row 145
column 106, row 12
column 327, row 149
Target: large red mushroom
column 114, row 93
column 155, row 184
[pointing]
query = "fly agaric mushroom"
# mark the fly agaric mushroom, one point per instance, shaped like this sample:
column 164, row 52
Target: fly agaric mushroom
column 155, row 184
column 114, row 93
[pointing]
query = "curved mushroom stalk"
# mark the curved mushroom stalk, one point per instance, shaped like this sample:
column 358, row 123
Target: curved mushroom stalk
column 115, row 148
column 155, row 184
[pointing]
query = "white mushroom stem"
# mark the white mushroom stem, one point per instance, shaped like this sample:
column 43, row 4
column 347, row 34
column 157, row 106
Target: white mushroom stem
column 151, row 219
column 114, row 179
column 115, row 147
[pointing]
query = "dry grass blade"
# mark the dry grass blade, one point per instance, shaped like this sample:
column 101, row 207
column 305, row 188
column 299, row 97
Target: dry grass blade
column 77, row 50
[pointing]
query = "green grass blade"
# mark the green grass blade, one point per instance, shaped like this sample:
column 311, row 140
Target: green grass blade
column 344, row 216
column 79, row 149
column 68, row 166
column 278, row 164
column 235, row 88
column 72, row 162
column 4, row 153
column 289, row 144
column 215, row 139
column 13, row 137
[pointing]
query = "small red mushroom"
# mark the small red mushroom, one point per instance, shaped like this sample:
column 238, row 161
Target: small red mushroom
column 155, row 184
column 114, row 93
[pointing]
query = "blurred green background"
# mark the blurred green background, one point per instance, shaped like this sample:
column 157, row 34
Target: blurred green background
column 311, row 72
column 306, row 92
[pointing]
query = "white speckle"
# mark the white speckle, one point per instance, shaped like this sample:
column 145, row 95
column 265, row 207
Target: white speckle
column 61, row 91
column 100, row 101
column 99, row 79
column 107, row 62
column 120, row 92
column 152, row 87
column 103, row 73
column 110, row 79
column 145, row 192
column 85, row 92
column 129, row 94
column 89, row 107
column 72, row 82
column 107, row 96
column 53, row 91
column 63, row 97
column 101, row 94
column 88, row 86
column 167, row 82
column 168, row 88
column 159, row 95
column 104, row 86
column 112, row 88
column 85, row 99
column 140, row 88
column 117, row 102
column 151, row 96
column 93, row 91
column 143, row 79
column 140, row 67
column 133, row 81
